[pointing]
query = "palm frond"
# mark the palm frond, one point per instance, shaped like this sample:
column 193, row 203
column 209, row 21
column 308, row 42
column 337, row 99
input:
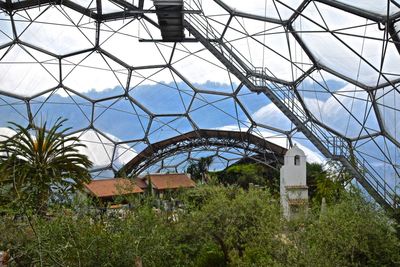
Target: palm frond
column 33, row 162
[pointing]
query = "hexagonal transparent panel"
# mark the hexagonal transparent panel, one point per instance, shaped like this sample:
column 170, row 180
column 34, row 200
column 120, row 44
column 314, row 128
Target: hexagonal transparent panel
column 6, row 34
column 266, row 46
column 16, row 110
column 37, row 71
column 62, row 104
column 163, row 93
column 348, row 45
column 164, row 127
column 268, row 9
column 381, row 7
column 99, row 147
column 224, row 112
column 343, row 107
column 123, row 39
column 93, row 71
column 57, row 29
column 208, row 68
column 132, row 122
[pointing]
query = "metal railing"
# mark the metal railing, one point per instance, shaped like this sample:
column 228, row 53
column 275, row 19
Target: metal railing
column 331, row 145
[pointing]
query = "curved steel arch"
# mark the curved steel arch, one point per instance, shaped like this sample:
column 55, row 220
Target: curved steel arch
column 203, row 138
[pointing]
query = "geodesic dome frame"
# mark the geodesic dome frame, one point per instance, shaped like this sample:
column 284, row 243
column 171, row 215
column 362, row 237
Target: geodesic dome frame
column 329, row 66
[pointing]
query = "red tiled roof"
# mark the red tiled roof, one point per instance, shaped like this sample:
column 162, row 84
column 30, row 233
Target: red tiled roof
column 140, row 182
column 170, row 181
column 112, row 187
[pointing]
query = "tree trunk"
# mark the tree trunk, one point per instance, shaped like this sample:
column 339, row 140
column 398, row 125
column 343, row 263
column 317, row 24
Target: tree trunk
column 138, row 262
column 42, row 202
column 223, row 248
column 4, row 258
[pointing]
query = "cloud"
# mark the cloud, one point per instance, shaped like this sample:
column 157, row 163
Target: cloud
column 271, row 115
column 5, row 131
column 312, row 155
column 100, row 149
column 388, row 100
column 347, row 110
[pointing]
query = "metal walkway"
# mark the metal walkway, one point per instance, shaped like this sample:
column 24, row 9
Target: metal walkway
column 170, row 19
column 283, row 96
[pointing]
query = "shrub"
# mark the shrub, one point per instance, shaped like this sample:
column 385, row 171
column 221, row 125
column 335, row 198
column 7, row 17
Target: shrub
column 218, row 226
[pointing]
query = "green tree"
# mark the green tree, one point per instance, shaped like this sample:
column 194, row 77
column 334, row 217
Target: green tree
column 35, row 163
column 217, row 226
column 229, row 217
column 323, row 183
column 244, row 174
column 350, row 232
column 199, row 169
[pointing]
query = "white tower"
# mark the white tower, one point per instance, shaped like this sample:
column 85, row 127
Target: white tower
column 293, row 182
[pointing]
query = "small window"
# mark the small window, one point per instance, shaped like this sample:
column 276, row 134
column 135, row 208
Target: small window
column 297, row 160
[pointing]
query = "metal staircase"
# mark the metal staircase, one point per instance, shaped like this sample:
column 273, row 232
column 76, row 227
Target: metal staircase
column 283, row 96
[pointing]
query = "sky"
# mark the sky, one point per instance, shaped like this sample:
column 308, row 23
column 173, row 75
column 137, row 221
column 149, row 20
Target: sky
column 118, row 120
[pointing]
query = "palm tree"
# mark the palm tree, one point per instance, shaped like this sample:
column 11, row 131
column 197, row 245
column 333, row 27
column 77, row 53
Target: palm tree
column 33, row 164
column 199, row 170
column 204, row 165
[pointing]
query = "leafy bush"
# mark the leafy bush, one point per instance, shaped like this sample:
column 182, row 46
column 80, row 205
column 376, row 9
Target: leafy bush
column 351, row 232
column 218, row 226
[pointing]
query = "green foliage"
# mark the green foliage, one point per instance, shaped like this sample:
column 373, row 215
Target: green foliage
column 34, row 163
column 84, row 241
column 244, row 174
column 323, row 184
column 230, row 217
column 351, row 232
column 199, row 170
column 210, row 255
column 218, row 226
